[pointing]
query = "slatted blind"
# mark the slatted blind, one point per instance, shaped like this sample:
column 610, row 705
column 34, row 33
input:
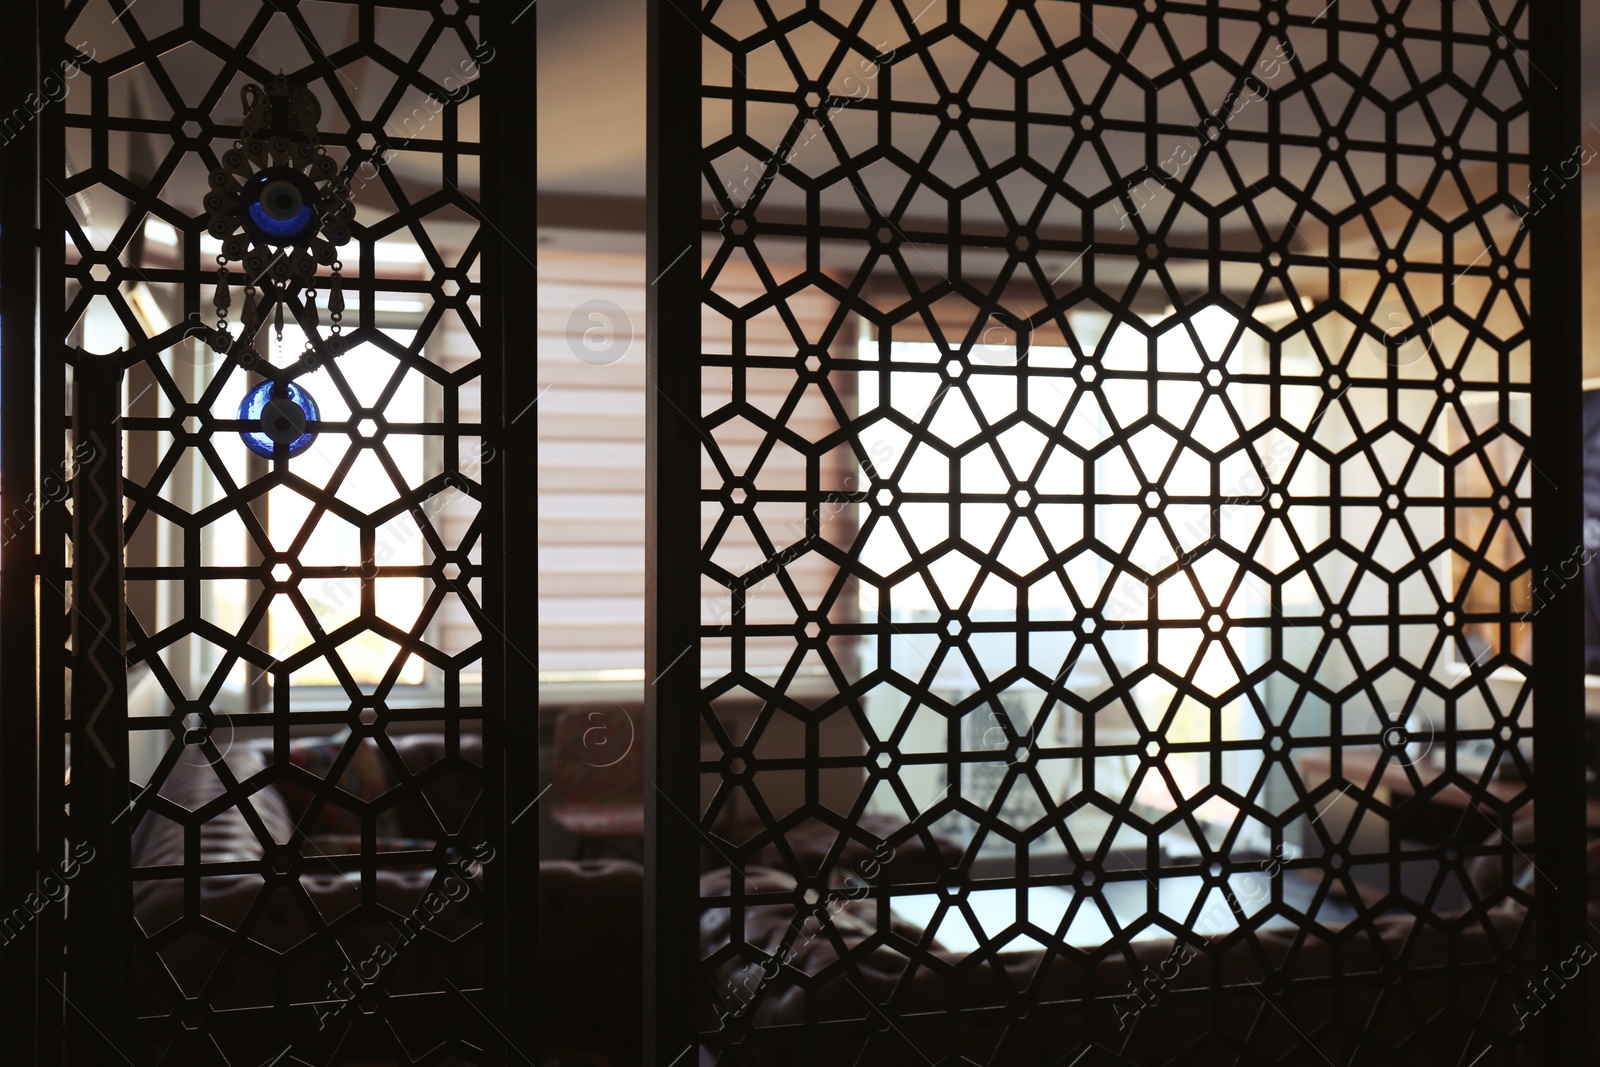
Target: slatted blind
column 591, row 415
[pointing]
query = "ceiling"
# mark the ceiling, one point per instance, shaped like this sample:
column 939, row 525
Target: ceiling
column 591, row 91
column 183, row 79
column 592, row 86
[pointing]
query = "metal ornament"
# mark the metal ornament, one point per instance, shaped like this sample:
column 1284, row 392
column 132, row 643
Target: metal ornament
column 275, row 202
column 278, row 208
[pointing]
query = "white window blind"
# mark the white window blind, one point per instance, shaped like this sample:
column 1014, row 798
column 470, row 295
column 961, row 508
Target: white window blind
column 591, row 466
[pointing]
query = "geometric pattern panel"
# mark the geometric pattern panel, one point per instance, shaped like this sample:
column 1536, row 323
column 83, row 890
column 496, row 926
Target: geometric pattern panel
column 306, row 639
column 1176, row 639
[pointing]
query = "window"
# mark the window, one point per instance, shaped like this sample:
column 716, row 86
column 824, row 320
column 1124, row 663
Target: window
column 1029, row 513
column 370, row 484
column 388, row 371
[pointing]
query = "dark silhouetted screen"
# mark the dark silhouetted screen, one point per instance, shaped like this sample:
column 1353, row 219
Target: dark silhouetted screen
column 1591, row 530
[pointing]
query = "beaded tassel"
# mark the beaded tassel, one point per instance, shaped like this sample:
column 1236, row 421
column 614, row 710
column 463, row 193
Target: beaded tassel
column 221, row 300
column 251, row 316
column 335, row 310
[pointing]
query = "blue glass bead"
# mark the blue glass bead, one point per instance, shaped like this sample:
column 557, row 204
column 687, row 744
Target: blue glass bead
column 283, row 418
column 280, row 206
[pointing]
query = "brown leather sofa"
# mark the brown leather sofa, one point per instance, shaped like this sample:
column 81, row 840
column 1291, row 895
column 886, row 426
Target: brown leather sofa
column 304, row 924
column 591, row 958
column 293, row 914
column 850, row 994
column 826, row 1006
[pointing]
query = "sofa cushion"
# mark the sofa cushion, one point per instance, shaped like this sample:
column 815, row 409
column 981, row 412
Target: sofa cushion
column 357, row 770
column 591, row 957
column 860, row 848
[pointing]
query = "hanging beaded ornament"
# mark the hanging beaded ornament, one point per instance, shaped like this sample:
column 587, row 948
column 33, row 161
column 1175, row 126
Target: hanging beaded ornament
column 278, row 208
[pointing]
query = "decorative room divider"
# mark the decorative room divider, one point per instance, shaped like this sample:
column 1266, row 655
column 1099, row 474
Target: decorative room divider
column 262, row 253
column 1171, row 698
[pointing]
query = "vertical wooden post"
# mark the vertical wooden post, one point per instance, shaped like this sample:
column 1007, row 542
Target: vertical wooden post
column 1556, row 329
column 20, row 1012
column 673, row 993
column 100, row 928
column 509, row 475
